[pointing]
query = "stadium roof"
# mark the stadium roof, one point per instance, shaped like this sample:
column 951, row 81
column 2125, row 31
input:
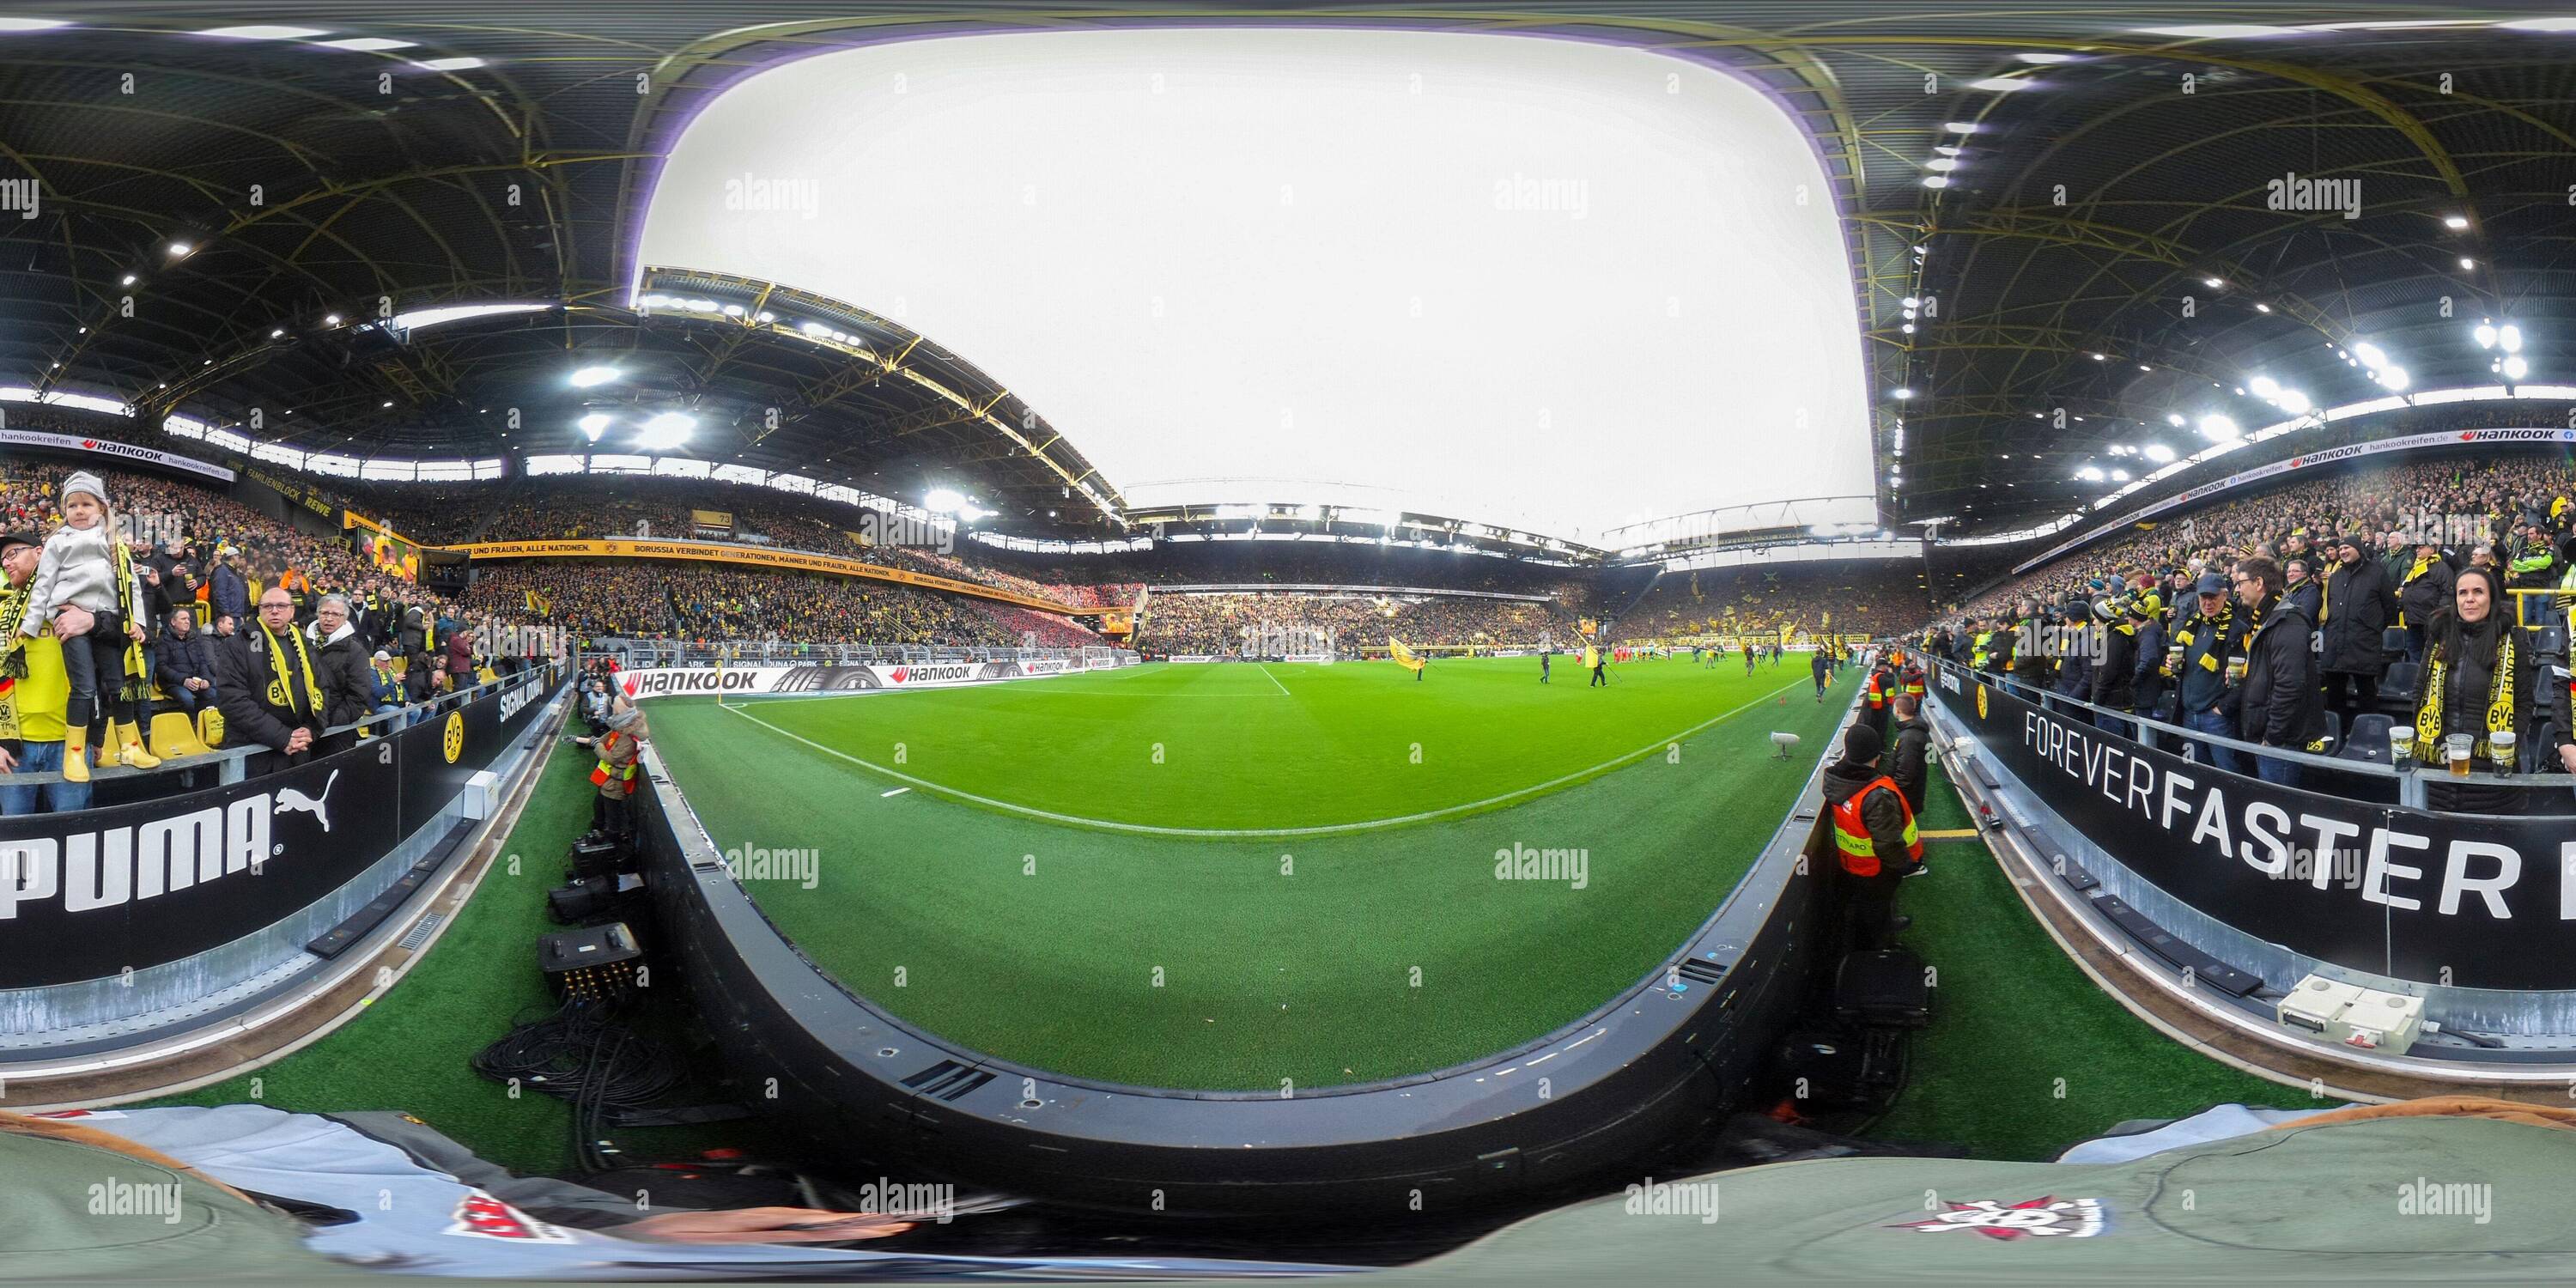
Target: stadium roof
column 327, row 159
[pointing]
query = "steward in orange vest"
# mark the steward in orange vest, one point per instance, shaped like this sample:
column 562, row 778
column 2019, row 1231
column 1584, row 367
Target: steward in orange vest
column 1875, row 844
column 615, row 774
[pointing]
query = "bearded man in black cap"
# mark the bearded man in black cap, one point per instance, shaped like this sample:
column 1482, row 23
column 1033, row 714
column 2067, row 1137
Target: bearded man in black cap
column 1875, row 842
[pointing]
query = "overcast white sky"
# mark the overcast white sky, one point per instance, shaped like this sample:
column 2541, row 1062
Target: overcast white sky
column 1513, row 280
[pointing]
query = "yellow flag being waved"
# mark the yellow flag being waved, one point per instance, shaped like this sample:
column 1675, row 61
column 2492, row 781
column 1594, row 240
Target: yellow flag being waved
column 1403, row 656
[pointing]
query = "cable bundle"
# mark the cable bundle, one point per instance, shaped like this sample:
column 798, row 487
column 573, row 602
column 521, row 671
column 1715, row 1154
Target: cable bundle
column 578, row 1054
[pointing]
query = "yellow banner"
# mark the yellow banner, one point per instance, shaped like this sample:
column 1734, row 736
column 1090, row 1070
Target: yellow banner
column 713, row 518
column 1403, row 656
column 745, row 556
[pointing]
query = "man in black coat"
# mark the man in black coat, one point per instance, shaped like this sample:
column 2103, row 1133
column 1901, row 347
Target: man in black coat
column 1908, row 762
column 2116, row 662
column 2280, row 703
column 2423, row 590
column 2357, row 610
column 271, row 687
column 185, row 663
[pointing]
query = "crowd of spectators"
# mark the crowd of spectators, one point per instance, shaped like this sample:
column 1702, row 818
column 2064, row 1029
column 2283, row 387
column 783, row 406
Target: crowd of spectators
column 1870, row 597
column 656, row 599
column 1217, row 624
column 2301, row 617
column 2386, row 503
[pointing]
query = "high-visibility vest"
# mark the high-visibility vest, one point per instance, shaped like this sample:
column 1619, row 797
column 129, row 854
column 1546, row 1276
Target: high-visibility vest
column 1851, row 836
column 1977, row 656
column 1914, row 681
column 605, row 771
column 1876, row 698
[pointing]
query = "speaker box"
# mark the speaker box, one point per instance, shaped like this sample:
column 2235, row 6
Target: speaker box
column 1886, row 989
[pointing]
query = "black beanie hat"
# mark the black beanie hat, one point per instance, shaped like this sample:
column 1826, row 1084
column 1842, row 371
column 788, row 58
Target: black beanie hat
column 1861, row 744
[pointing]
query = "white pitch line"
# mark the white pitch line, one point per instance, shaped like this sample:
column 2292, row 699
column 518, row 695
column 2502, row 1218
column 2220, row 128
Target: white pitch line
column 1274, row 680
column 1329, row 829
column 896, row 792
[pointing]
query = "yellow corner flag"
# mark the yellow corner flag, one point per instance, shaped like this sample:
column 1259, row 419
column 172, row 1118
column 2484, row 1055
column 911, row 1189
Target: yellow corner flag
column 1403, row 656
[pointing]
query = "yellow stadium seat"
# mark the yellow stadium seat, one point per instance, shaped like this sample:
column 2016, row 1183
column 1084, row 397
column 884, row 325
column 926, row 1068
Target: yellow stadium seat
column 174, row 735
column 485, row 675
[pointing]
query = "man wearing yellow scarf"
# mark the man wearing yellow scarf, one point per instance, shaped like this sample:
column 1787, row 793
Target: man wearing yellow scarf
column 270, row 692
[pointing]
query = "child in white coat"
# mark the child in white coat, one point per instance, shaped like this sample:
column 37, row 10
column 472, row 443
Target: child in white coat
column 86, row 567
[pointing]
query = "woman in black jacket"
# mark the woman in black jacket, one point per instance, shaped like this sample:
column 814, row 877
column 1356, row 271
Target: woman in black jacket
column 2478, row 681
column 343, row 665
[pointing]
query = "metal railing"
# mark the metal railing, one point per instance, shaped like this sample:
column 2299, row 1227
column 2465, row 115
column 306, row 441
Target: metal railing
column 2392, row 784
column 227, row 761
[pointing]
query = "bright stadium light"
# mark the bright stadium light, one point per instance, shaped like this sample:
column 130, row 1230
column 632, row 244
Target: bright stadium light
column 2455, row 222
column 595, row 423
column 2159, row 453
column 2264, row 387
column 589, row 377
column 666, row 430
column 2509, row 338
column 2515, row 368
column 2221, row 428
column 2174, row 418
column 941, row 500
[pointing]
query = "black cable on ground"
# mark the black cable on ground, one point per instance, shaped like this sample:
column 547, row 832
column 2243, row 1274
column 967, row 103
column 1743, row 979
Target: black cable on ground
column 580, row 1055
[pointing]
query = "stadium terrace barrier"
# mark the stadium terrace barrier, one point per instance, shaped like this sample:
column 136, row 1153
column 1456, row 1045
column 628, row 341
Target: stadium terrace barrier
column 2221, row 874
column 1658, row 1065
column 118, row 924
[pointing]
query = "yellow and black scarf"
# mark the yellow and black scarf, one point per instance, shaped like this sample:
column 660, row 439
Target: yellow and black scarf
column 123, row 561
column 281, row 687
column 2500, row 706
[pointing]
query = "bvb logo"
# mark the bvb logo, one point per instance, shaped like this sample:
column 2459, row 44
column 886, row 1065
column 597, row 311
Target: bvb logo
column 1981, row 706
column 452, row 740
column 611, row 547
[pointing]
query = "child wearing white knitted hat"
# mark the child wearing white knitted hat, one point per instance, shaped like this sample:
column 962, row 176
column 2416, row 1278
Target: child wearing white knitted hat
column 86, row 567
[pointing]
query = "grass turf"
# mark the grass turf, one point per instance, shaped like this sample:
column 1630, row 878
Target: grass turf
column 1246, row 963
column 408, row 1050
column 2026, row 1055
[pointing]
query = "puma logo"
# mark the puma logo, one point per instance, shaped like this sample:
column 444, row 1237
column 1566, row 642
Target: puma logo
column 318, row 806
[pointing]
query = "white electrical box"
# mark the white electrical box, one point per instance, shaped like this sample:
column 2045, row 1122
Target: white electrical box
column 2351, row 1015
column 2315, row 1004
column 2379, row 1022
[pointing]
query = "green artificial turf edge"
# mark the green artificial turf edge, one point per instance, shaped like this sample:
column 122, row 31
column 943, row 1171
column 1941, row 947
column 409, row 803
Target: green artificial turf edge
column 2026, row 1054
column 408, row 1050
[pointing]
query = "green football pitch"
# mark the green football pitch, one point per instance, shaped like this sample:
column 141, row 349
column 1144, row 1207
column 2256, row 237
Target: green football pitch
column 1239, row 877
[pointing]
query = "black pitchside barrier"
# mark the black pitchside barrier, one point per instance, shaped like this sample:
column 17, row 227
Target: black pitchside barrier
column 2472, row 901
column 90, row 895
